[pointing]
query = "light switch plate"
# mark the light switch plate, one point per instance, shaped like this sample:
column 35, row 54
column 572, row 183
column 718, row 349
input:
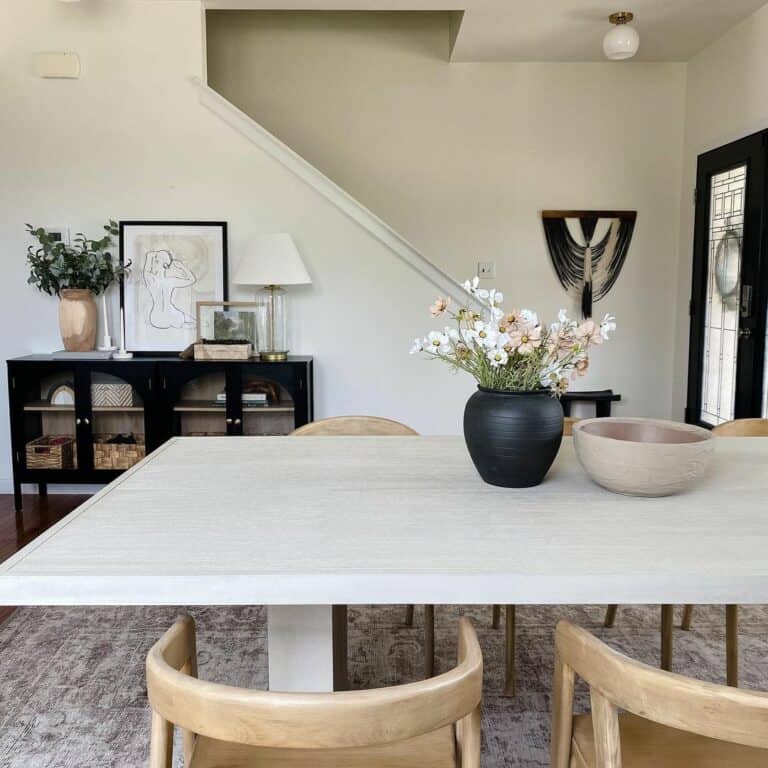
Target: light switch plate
column 486, row 270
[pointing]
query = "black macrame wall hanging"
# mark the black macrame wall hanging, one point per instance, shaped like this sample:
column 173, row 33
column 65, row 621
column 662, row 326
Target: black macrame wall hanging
column 588, row 270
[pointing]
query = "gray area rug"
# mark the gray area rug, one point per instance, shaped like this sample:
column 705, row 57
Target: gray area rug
column 72, row 689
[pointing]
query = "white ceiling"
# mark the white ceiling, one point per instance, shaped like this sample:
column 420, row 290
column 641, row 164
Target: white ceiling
column 554, row 30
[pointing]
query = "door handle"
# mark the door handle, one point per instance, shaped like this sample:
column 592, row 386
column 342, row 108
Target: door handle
column 745, row 333
column 78, row 421
column 229, row 421
column 237, row 421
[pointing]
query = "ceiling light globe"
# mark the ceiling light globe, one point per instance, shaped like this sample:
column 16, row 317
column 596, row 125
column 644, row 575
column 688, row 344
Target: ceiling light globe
column 621, row 42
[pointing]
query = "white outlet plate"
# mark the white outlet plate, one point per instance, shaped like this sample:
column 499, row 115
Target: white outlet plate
column 486, row 270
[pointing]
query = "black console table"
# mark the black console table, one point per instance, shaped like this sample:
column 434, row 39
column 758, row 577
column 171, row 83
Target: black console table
column 147, row 399
column 602, row 399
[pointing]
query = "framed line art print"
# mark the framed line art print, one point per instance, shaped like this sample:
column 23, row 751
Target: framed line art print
column 173, row 266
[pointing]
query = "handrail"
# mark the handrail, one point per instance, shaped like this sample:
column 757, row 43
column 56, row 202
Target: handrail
column 332, row 192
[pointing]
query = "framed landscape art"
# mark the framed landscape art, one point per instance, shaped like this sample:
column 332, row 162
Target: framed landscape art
column 173, row 266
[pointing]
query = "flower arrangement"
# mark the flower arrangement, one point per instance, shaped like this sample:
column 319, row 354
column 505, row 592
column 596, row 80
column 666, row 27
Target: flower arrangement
column 512, row 351
column 56, row 266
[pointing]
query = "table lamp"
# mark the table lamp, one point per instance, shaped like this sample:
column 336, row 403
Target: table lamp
column 272, row 261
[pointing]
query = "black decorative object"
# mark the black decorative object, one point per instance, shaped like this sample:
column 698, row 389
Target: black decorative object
column 513, row 437
column 588, row 270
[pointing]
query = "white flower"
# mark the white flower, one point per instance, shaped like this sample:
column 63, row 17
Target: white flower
column 498, row 357
column 418, row 346
column 608, row 325
column 471, row 287
column 562, row 317
column 503, row 341
column 529, row 317
column 482, row 293
column 453, row 334
column 497, row 313
column 484, row 334
column 437, row 343
column 495, row 297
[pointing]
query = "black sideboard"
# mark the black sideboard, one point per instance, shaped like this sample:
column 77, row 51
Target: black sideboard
column 149, row 399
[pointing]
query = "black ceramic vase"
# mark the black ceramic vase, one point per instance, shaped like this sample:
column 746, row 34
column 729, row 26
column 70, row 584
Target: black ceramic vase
column 513, row 437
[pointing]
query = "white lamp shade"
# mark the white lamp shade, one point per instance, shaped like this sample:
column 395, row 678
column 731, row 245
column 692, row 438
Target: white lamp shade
column 272, row 260
column 621, row 42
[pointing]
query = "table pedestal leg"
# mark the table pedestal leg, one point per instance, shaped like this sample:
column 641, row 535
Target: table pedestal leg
column 300, row 642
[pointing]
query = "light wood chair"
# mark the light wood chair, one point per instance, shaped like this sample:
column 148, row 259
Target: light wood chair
column 360, row 426
column 668, row 721
column 510, row 639
column 429, row 724
column 735, row 428
column 742, row 428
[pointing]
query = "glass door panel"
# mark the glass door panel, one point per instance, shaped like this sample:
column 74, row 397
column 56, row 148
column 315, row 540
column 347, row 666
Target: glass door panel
column 721, row 321
column 118, row 422
column 268, row 408
column 730, row 285
column 201, row 409
column 49, row 421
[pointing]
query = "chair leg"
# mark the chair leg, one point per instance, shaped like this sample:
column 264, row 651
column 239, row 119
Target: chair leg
column 409, row 616
column 496, row 616
column 429, row 641
column 732, row 644
column 667, row 632
column 610, row 615
column 509, row 652
column 685, row 622
column 339, row 639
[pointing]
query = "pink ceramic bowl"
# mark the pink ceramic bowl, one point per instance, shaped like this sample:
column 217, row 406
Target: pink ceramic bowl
column 643, row 457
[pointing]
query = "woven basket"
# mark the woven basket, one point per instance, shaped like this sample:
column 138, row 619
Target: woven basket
column 117, row 455
column 51, row 452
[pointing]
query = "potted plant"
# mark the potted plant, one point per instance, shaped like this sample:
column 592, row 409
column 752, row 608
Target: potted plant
column 75, row 273
column 513, row 424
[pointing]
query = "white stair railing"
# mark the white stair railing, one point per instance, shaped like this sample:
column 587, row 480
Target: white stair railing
column 276, row 149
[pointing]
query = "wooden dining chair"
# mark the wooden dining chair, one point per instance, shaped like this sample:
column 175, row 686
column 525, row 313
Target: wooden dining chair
column 432, row 723
column 667, row 720
column 359, row 426
column 735, row 428
column 742, row 428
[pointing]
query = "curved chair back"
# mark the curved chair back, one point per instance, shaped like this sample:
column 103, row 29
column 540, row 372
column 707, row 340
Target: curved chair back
column 742, row 428
column 568, row 423
column 354, row 426
column 618, row 682
column 308, row 720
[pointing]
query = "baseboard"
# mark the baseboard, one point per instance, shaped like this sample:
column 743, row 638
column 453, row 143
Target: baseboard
column 6, row 486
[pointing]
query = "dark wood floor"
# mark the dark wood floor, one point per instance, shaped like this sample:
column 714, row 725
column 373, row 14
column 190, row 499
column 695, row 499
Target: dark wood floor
column 39, row 514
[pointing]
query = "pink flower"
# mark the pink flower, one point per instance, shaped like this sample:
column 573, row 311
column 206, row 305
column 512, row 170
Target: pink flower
column 525, row 339
column 439, row 306
column 589, row 333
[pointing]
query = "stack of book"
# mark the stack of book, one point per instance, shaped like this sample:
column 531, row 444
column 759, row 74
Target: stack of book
column 248, row 398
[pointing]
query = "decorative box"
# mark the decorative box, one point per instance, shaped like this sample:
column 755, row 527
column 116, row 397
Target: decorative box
column 108, row 455
column 112, row 394
column 51, row 452
column 213, row 351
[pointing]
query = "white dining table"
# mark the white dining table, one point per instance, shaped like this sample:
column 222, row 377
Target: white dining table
column 303, row 524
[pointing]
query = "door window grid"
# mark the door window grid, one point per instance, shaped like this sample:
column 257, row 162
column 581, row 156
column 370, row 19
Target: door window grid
column 721, row 324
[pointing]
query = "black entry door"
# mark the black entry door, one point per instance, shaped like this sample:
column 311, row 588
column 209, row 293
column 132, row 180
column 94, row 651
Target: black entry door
column 726, row 375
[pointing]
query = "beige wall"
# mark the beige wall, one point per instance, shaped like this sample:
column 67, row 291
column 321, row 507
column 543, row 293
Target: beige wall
column 461, row 158
column 130, row 140
column 726, row 100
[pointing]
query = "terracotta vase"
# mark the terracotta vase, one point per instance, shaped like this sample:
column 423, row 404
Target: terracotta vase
column 77, row 320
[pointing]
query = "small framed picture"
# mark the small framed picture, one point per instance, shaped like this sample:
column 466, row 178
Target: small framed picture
column 173, row 265
column 228, row 321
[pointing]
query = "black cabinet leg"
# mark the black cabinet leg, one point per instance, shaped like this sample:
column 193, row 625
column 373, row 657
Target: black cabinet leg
column 42, row 489
column 17, row 500
column 603, row 409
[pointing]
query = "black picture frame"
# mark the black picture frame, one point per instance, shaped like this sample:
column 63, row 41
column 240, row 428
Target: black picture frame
column 160, row 223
